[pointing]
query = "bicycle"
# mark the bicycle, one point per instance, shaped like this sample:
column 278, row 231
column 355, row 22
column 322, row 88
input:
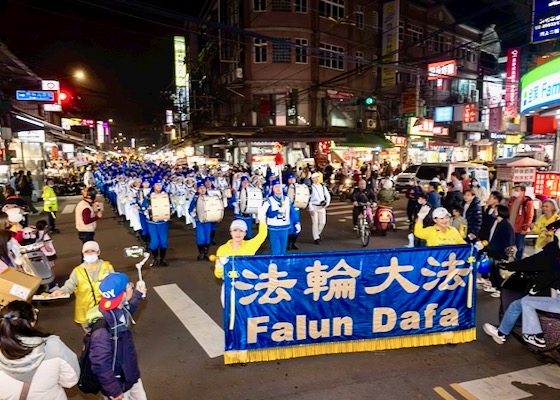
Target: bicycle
column 363, row 224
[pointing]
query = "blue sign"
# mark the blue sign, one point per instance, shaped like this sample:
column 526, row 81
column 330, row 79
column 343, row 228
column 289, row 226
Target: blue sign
column 443, row 114
column 546, row 20
column 35, row 95
column 308, row 304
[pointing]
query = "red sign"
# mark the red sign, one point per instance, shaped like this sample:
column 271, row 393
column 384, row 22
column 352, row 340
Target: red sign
column 547, row 184
column 512, row 81
column 408, row 101
column 470, row 112
column 442, row 70
column 441, row 131
column 337, row 94
column 399, row 141
column 495, row 119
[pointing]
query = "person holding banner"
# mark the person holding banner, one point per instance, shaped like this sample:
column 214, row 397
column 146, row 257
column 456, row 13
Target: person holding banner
column 280, row 215
column 441, row 233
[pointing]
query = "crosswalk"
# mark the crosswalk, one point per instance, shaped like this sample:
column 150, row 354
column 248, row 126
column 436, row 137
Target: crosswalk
column 344, row 210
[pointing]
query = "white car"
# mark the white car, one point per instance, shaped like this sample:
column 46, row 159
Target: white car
column 402, row 180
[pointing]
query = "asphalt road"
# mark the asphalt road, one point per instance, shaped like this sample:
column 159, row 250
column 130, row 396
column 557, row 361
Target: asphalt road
column 175, row 366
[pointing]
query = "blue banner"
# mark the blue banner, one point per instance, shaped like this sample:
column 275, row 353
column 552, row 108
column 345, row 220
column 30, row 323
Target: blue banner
column 307, row 304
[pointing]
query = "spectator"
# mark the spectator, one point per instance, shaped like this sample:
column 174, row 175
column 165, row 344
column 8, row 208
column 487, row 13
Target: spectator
column 549, row 215
column 456, row 183
column 412, row 193
column 453, row 197
column 465, row 180
column 25, row 187
column 473, row 213
column 458, row 221
column 521, row 213
column 480, row 191
column 489, row 215
column 434, row 200
column 86, row 216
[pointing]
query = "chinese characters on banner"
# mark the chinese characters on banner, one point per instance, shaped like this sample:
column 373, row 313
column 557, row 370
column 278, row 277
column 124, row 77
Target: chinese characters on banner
column 512, row 82
column 470, row 112
column 309, row 304
column 442, row 70
column 547, row 184
column 524, row 174
column 495, row 119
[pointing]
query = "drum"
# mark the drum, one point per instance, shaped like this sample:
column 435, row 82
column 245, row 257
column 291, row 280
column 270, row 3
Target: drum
column 250, row 200
column 214, row 192
column 226, row 193
column 160, row 207
column 209, row 209
column 299, row 195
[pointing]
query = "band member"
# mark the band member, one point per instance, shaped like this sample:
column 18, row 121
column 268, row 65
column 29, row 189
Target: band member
column 158, row 230
column 209, row 185
column 237, row 214
column 320, row 200
column 294, row 233
column 121, row 190
column 141, row 195
column 280, row 216
column 202, row 229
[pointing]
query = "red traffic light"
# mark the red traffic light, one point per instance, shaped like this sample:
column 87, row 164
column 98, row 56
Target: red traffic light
column 62, row 96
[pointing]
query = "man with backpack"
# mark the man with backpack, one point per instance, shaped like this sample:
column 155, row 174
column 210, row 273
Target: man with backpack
column 112, row 353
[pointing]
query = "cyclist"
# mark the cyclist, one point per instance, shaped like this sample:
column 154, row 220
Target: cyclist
column 362, row 194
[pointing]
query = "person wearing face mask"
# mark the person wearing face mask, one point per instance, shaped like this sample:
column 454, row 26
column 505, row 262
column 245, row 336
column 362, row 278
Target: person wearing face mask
column 84, row 282
column 50, row 204
column 521, row 213
column 480, row 191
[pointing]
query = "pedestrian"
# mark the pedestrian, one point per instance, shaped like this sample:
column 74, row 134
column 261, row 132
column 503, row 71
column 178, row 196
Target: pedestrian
column 489, row 215
column 25, row 188
column 412, row 193
column 112, row 353
column 50, row 204
column 440, row 233
column 453, row 196
column 473, row 214
column 465, row 180
column 84, row 282
column 87, row 216
column 433, row 198
column 89, row 179
column 458, row 221
column 318, row 203
column 34, row 365
column 549, row 215
column 521, row 213
column 479, row 191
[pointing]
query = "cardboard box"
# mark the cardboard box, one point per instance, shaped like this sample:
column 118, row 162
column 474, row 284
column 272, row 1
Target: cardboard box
column 16, row 285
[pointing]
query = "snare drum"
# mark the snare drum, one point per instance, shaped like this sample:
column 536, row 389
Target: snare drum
column 160, row 207
column 299, row 195
column 215, row 193
column 209, row 209
column 250, row 200
column 226, row 193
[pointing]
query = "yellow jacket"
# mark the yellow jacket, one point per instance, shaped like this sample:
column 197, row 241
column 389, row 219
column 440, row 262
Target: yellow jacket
column 540, row 229
column 247, row 248
column 434, row 236
column 50, row 201
column 85, row 288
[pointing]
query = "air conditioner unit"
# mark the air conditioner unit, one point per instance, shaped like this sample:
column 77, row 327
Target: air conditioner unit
column 401, row 123
column 238, row 73
column 474, row 96
column 371, row 123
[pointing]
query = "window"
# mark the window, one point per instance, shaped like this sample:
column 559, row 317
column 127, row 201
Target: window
column 281, row 5
column 360, row 62
column 416, row 34
column 281, row 53
column 301, row 51
column 401, row 31
column 260, row 46
column 331, row 8
column 439, row 43
column 331, row 56
column 259, row 5
column 360, row 18
column 430, row 41
column 375, row 21
column 300, row 6
column 448, row 44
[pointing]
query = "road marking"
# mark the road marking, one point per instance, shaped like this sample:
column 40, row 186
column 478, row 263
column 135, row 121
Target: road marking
column 68, row 209
column 207, row 333
column 463, row 392
column 444, row 393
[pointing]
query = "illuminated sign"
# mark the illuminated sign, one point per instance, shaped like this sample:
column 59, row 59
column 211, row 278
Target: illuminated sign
column 513, row 139
column 180, row 61
column 390, row 41
column 37, row 136
column 441, row 70
column 546, row 20
column 100, row 132
column 50, row 85
column 443, row 114
column 541, row 86
column 35, row 95
column 398, row 141
column 420, row 127
column 512, row 82
column 441, row 131
column 470, row 112
column 52, row 107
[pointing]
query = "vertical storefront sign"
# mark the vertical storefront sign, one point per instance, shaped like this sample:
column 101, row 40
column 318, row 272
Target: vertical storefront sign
column 512, row 81
column 470, row 112
column 390, row 42
column 495, row 119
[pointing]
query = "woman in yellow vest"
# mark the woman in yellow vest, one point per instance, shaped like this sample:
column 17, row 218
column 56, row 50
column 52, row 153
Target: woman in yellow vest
column 441, row 233
column 50, row 204
column 549, row 215
column 84, row 282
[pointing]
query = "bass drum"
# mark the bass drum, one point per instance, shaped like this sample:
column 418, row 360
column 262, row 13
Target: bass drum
column 160, row 207
column 250, row 200
column 209, row 209
column 299, row 195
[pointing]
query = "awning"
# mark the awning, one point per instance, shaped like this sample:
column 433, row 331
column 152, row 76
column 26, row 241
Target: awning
column 357, row 139
column 64, row 137
column 20, row 121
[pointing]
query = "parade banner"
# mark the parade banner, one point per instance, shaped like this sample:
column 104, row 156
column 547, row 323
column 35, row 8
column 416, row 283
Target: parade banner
column 297, row 305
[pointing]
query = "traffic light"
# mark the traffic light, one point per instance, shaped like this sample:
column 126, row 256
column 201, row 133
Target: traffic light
column 369, row 101
column 62, row 96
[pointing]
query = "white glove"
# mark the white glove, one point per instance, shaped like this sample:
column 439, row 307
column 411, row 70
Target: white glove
column 261, row 215
column 424, row 211
column 478, row 245
column 298, row 227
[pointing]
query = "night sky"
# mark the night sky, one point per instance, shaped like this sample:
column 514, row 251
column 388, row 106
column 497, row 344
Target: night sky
column 128, row 60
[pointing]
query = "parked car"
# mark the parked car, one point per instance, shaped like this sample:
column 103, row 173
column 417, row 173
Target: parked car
column 402, row 180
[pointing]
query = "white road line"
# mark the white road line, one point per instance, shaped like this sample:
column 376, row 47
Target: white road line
column 500, row 387
column 207, row 333
column 68, row 209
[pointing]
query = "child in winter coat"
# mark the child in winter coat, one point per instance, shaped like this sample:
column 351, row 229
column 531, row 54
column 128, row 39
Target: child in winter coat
column 42, row 235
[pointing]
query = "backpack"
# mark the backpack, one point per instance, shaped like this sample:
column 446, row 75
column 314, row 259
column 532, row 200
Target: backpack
column 88, row 382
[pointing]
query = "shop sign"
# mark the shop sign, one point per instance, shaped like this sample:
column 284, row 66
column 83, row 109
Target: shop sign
column 498, row 136
column 495, row 119
column 547, row 184
column 52, row 107
column 441, row 131
column 470, row 112
column 546, row 21
column 541, row 86
column 524, row 174
column 37, row 136
column 35, row 95
column 336, row 94
column 442, row 70
column 474, row 137
column 443, row 114
column 67, row 148
column 513, row 139
column 408, row 101
column 420, row 127
column 473, row 126
column 399, row 141
column 512, row 81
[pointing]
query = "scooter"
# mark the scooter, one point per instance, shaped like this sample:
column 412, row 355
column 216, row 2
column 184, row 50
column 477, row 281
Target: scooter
column 346, row 188
column 384, row 220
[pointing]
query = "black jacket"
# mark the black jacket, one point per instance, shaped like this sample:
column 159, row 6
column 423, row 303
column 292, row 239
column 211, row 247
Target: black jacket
column 452, row 198
column 363, row 196
column 503, row 237
column 474, row 217
column 488, row 218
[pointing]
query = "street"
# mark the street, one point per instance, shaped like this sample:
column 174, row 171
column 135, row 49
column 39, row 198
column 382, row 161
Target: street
column 182, row 315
